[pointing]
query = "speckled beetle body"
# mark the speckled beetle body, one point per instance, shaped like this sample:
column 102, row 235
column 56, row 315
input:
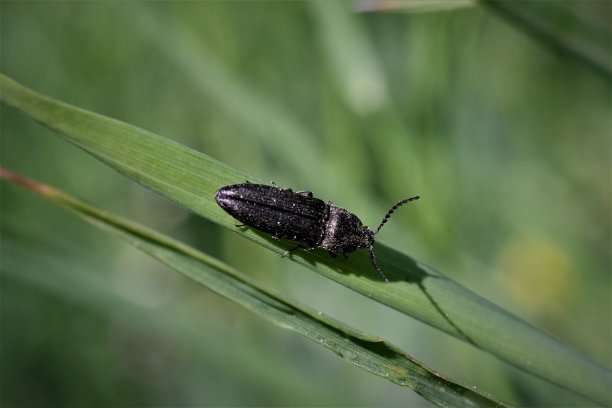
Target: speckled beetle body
column 300, row 217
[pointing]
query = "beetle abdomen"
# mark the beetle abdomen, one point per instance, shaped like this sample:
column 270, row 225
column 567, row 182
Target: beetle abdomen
column 279, row 212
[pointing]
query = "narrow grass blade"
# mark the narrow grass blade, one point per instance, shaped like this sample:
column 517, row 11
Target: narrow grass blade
column 367, row 352
column 575, row 29
column 580, row 30
column 190, row 179
column 413, row 6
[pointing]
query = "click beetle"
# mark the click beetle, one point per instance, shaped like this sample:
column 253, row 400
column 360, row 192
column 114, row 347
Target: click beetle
column 300, row 217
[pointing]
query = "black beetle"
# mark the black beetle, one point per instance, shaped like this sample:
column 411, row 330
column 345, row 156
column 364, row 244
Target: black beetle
column 298, row 216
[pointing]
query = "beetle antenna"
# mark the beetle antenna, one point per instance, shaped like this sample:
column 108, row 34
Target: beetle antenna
column 392, row 210
column 373, row 259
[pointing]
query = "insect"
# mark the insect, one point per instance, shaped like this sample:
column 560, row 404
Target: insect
column 300, row 217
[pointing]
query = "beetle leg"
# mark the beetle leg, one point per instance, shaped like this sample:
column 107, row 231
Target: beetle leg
column 309, row 249
column 306, row 193
column 334, row 255
column 240, row 225
column 276, row 185
column 286, row 253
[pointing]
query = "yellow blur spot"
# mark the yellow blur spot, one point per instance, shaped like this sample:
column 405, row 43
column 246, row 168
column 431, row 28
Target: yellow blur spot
column 537, row 273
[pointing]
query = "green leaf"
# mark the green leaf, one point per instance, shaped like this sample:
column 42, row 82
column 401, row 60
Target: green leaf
column 580, row 30
column 413, row 6
column 367, row 352
column 190, row 179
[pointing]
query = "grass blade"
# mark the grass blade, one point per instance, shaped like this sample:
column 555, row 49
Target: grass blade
column 190, row 179
column 569, row 28
column 413, row 6
column 367, row 352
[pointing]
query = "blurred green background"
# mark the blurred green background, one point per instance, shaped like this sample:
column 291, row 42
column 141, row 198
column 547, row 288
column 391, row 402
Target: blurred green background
column 506, row 140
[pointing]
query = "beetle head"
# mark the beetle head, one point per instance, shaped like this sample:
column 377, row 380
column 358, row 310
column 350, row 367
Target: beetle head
column 344, row 232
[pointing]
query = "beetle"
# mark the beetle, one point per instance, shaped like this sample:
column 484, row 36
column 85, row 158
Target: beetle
column 300, row 217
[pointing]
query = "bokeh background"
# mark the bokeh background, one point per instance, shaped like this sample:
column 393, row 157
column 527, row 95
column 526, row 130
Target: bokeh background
column 506, row 139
